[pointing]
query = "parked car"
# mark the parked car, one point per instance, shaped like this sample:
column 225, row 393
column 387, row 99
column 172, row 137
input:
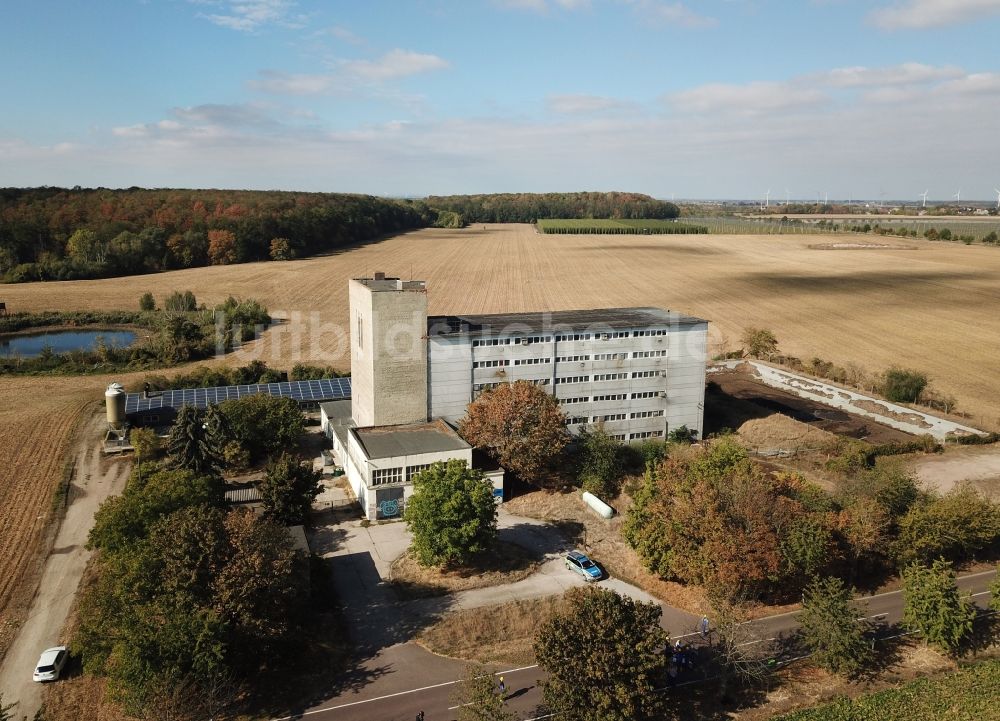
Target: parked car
column 576, row 561
column 50, row 664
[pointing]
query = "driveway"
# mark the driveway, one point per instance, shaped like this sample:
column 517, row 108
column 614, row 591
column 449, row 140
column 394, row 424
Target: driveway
column 382, row 627
column 94, row 480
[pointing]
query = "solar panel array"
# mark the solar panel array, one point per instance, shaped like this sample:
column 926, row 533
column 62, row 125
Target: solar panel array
column 328, row 389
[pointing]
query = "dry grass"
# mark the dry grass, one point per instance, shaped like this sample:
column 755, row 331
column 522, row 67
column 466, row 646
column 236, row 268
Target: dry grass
column 496, row 634
column 508, row 564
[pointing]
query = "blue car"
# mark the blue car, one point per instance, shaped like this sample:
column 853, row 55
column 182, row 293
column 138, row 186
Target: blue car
column 576, row 561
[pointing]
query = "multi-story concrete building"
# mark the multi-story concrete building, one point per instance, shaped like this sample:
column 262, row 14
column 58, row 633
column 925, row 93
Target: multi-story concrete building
column 638, row 371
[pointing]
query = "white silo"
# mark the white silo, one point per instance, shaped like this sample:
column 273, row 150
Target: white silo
column 114, row 399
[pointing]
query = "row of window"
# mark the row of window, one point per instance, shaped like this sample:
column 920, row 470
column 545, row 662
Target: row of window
column 649, row 354
column 646, row 374
column 648, row 414
column 531, row 361
column 481, row 342
column 384, row 476
column 598, row 377
column 491, row 363
column 610, row 356
column 571, row 401
column 602, row 377
column 572, row 358
column 647, row 434
column 611, row 397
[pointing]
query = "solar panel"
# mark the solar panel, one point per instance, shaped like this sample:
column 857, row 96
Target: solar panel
column 327, row 389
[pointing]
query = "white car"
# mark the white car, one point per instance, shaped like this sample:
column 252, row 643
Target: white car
column 50, row 664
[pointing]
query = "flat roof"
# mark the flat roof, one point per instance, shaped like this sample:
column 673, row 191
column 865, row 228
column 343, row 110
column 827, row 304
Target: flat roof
column 595, row 320
column 409, row 440
column 327, row 389
column 338, row 410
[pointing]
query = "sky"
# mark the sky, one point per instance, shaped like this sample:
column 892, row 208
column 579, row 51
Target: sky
column 675, row 98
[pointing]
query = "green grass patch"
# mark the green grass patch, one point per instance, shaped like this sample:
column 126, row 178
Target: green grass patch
column 618, row 227
column 969, row 694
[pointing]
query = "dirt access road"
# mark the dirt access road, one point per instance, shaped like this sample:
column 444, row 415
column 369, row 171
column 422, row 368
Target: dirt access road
column 978, row 466
column 95, row 478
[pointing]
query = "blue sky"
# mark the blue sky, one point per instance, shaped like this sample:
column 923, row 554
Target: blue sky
column 694, row 98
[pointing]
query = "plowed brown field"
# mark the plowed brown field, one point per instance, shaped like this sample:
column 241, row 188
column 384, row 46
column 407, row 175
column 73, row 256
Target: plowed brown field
column 935, row 307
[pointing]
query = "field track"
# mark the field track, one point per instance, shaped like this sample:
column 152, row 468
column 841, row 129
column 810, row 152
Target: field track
column 933, row 307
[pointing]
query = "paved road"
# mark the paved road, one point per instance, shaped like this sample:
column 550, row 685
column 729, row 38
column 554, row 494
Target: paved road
column 94, row 479
column 434, row 688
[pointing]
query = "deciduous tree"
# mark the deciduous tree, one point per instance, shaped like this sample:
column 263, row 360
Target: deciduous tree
column 221, row 247
column 451, row 514
column 288, row 489
column 932, row 605
column 954, row 526
column 759, row 342
column 605, row 657
column 831, row 630
column 520, row 424
column 600, row 462
column 147, row 302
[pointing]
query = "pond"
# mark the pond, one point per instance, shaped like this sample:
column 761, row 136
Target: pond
column 30, row 345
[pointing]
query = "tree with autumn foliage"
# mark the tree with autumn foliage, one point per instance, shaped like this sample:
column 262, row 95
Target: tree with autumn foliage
column 520, row 425
column 718, row 519
column 221, row 247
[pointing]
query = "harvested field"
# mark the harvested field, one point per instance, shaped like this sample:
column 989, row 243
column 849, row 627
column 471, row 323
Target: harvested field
column 918, row 308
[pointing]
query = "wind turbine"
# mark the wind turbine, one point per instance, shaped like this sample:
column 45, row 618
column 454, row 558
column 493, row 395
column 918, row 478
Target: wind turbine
column 787, row 196
column 767, row 198
column 997, row 191
column 924, row 196
column 826, row 198
column 958, row 196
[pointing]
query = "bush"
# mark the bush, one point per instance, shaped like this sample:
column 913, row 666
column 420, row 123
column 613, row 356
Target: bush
column 179, row 302
column 759, row 342
column 599, row 463
column 900, row 385
column 955, row 526
column 147, row 302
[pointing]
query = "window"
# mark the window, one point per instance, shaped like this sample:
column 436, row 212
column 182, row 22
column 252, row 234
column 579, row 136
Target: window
column 647, row 414
column 383, row 476
column 618, row 436
column 527, row 340
column 609, row 417
column 647, row 434
column 411, row 471
column 614, row 334
column 610, row 376
column 574, row 336
column 360, row 334
column 576, row 420
column 571, row 401
column 572, row 358
column 611, row 397
column 649, row 354
column 531, row 361
column 490, row 341
column 491, row 363
column 541, row 381
column 572, row 379
column 484, row 386
column 610, row 356
column 645, row 374
column 641, row 333
column 644, row 394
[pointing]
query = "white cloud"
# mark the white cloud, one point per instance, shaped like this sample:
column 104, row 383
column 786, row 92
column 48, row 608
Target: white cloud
column 751, row 99
column 130, row 131
column 250, row 15
column 904, row 74
column 350, row 74
column 580, row 104
column 672, row 13
column 922, row 14
column 394, row 64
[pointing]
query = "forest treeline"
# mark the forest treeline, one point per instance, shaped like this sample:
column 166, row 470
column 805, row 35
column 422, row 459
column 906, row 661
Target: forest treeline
column 529, row 207
column 67, row 234
column 59, row 234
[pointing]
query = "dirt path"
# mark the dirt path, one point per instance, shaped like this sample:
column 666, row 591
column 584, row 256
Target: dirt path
column 979, row 466
column 94, row 479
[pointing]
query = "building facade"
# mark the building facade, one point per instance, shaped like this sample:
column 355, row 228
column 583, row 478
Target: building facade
column 639, row 371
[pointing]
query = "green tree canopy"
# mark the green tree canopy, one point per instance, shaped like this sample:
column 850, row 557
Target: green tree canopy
column 196, row 441
column 954, row 526
column 288, row 489
column 901, row 385
column 604, row 656
column 759, row 342
column 451, row 514
column 932, row 605
column 600, row 462
column 831, row 630
column 263, row 424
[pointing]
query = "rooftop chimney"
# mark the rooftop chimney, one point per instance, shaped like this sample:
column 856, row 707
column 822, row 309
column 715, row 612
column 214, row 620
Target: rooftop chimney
column 379, row 275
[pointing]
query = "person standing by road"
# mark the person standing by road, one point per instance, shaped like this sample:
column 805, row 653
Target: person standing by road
column 503, row 686
column 420, row 716
column 703, row 627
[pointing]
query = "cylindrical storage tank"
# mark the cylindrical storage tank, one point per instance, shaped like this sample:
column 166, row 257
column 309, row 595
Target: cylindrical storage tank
column 600, row 507
column 114, row 399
